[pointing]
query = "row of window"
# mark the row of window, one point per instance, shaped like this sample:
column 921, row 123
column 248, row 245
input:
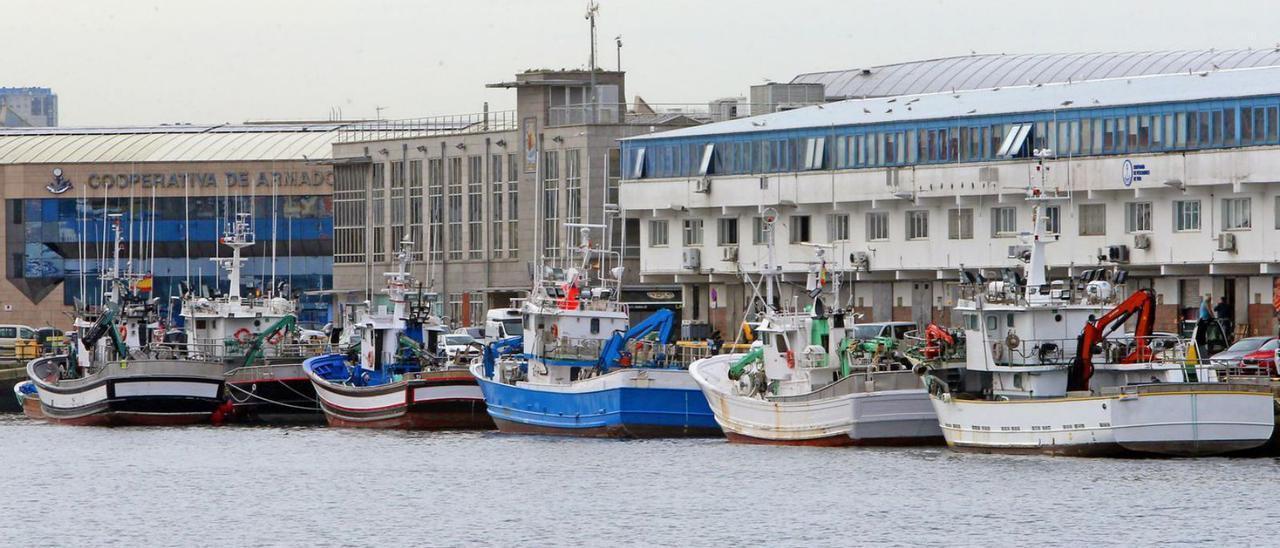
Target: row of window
column 1083, row 132
column 455, row 205
column 1092, row 221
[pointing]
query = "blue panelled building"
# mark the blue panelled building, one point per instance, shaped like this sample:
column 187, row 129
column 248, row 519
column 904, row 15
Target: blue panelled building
column 172, row 190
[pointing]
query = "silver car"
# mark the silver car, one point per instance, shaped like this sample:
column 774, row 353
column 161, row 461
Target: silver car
column 1232, row 355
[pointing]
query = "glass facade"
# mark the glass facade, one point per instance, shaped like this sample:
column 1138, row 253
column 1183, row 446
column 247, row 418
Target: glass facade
column 45, row 245
column 1191, row 125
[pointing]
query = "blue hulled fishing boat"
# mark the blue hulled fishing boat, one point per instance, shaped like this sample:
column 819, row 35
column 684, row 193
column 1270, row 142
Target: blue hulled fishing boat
column 581, row 369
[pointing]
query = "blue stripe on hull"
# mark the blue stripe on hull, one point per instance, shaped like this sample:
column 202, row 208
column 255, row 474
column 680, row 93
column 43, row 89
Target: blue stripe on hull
column 634, row 412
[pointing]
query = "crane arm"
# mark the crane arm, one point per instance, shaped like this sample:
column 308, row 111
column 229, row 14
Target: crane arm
column 255, row 346
column 659, row 322
column 740, row 365
column 1141, row 303
column 501, row 347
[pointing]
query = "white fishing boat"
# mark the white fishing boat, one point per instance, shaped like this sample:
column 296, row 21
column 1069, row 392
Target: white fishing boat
column 257, row 339
column 804, row 382
column 1049, row 368
column 111, row 376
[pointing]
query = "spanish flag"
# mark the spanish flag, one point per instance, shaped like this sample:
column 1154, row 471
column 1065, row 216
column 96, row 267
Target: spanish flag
column 145, row 283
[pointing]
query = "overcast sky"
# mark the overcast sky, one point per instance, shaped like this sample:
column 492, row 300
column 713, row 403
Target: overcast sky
column 136, row 62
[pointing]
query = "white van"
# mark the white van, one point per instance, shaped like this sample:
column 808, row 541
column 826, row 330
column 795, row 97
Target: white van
column 10, row 334
column 500, row 323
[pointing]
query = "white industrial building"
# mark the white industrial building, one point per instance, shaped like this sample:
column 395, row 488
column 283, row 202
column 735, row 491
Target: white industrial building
column 1165, row 163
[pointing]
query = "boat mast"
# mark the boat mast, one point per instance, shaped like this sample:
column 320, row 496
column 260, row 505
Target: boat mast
column 240, row 237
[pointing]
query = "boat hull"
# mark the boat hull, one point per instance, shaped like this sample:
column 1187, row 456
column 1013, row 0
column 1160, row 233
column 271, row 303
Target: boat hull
column 1159, row 420
column 626, row 403
column 144, row 393
column 28, row 400
column 430, row 400
column 273, row 394
column 893, row 417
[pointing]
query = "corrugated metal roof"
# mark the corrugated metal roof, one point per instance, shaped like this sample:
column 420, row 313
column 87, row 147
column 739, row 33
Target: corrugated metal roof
column 179, row 143
column 1137, row 90
column 992, row 71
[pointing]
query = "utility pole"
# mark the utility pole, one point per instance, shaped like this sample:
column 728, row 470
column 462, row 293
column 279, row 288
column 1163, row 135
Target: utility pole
column 592, row 9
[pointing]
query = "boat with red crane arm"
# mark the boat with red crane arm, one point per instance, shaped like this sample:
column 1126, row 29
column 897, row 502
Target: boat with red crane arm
column 1029, row 386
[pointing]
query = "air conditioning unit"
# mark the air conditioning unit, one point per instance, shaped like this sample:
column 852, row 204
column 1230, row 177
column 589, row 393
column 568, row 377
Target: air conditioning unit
column 703, row 186
column 1227, row 242
column 861, row 260
column 692, row 259
column 730, row 254
column 1114, row 254
column 1142, row 241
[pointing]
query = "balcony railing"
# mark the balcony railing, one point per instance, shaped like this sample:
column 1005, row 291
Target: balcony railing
column 458, row 124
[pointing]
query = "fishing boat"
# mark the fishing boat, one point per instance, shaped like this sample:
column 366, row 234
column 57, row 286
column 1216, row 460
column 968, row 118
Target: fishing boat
column 395, row 375
column 806, row 380
column 258, row 340
column 25, row 393
column 111, row 376
column 581, row 369
column 1050, row 368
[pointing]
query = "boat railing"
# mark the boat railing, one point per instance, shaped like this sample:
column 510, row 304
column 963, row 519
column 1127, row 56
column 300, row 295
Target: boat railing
column 1015, row 351
column 668, row 355
column 216, row 349
column 571, row 348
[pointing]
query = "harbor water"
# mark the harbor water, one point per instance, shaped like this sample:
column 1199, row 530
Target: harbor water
column 305, row 486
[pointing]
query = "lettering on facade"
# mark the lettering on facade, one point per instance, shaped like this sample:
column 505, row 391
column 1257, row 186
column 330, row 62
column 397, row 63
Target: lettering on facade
column 1131, row 172
column 229, row 179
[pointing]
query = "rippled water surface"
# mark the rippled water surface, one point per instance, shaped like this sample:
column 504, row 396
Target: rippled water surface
column 240, row 486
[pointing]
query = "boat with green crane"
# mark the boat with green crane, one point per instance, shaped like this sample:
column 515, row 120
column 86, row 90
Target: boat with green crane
column 807, row 380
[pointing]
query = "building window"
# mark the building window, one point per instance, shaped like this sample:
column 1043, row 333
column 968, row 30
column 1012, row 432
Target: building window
column 396, row 224
column 551, row 203
column 455, row 308
column 378, row 209
column 1186, row 215
column 1093, row 219
column 513, row 206
column 917, row 225
column 837, row 227
column 497, row 210
column 349, row 195
column 692, row 232
column 960, row 224
column 415, row 209
column 799, row 229
column 475, row 207
column 1137, row 217
column 727, row 233
column 455, row 208
column 1004, row 221
column 877, row 226
column 658, row 233
column 1236, row 214
column 1053, row 220
column 759, row 231
column 573, row 185
column 615, row 176
column 435, row 207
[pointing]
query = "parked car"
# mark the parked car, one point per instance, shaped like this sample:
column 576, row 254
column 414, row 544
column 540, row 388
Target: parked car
column 10, row 334
column 474, row 332
column 1232, row 356
column 1261, row 361
column 891, row 334
column 460, row 346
